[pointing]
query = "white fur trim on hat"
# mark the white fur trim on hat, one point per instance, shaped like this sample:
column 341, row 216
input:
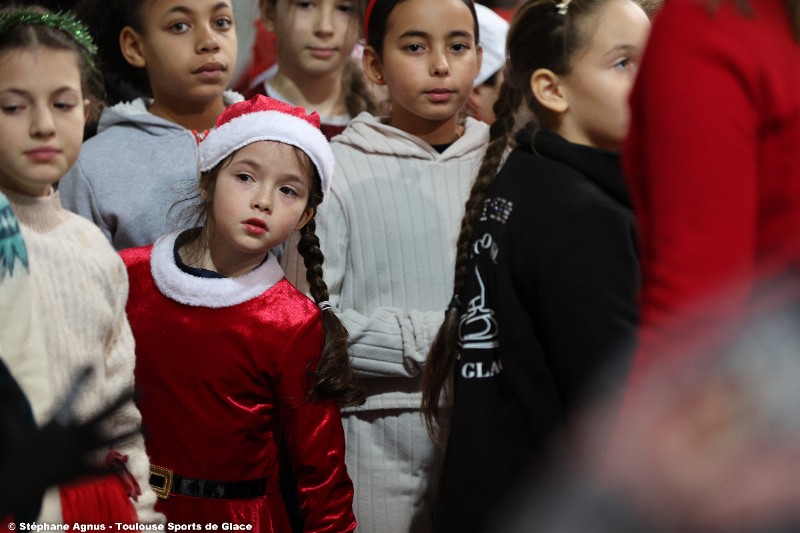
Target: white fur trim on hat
column 268, row 126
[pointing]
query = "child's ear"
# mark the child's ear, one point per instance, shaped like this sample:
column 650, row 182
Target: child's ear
column 86, row 110
column 267, row 10
column 546, row 88
column 372, row 66
column 304, row 218
column 130, row 43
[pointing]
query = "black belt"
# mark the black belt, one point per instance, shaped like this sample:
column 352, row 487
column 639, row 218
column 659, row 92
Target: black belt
column 164, row 482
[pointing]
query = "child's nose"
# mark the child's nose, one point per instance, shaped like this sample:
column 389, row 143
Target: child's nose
column 262, row 200
column 208, row 40
column 324, row 21
column 42, row 123
column 439, row 64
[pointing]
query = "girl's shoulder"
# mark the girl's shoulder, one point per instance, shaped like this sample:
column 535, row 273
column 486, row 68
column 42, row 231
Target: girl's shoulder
column 138, row 257
column 128, row 122
column 525, row 162
column 86, row 233
column 369, row 136
column 90, row 233
column 79, row 241
column 563, row 174
column 363, row 122
column 296, row 305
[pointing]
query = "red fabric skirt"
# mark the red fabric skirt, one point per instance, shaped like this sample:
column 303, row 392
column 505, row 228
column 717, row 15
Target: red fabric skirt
column 97, row 500
column 107, row 498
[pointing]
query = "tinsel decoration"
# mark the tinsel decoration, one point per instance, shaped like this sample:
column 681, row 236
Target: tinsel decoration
column 64, row 21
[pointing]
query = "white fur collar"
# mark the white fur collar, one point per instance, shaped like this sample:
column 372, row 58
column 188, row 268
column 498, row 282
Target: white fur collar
column 191, row 290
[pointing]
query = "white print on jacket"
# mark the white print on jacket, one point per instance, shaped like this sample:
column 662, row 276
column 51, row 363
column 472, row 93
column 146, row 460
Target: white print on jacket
column 497, row 209
column 477, row 328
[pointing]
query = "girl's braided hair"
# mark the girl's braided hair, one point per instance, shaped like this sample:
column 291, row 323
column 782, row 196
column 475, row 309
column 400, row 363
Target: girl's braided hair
column 542, row 35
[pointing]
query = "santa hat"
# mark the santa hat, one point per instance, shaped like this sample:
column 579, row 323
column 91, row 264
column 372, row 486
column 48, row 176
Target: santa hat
column 266, row 119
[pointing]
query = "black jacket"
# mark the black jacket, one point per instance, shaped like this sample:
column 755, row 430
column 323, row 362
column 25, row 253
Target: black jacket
column 550, row 299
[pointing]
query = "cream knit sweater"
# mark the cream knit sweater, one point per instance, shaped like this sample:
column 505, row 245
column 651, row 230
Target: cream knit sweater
column 80, row 290
column 21, row 333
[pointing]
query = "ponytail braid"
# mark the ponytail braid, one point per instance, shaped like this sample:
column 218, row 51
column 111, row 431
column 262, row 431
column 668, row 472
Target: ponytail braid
column 333, row 377
column 444, row 349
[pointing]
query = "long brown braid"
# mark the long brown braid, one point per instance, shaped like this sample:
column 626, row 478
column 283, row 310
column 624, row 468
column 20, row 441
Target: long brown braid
column 333, row 377
column 444, row 349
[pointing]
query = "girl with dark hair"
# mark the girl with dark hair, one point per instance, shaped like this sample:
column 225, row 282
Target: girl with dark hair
column 231, row 359
column 315, row 67
column 181, row 55
column 387, row 233
column 546, row 266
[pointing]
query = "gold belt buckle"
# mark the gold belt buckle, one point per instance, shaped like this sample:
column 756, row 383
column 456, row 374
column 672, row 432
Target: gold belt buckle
column 163, row 489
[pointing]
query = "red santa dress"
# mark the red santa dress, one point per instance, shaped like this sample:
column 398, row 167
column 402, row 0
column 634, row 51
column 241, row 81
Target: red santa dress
column 222, row 375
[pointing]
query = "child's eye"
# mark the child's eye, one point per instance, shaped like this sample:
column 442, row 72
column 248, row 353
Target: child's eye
column 179, row 27
column 11, row 109
column 244, row 177
column 223, row 23
column 414, row 47
column 623, row 63
column 345, row 8
column 460, row 47
column 64, row 106
column 304, row 5
column 288, row 191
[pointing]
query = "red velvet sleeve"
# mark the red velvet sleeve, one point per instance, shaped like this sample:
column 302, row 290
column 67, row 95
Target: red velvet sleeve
column 314, row 439
column 691, row 161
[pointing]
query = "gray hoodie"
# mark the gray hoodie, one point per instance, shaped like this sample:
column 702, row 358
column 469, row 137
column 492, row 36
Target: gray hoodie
column 132, row 172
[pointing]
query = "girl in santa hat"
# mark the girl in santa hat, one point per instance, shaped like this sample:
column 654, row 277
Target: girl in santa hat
column 231, row 358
